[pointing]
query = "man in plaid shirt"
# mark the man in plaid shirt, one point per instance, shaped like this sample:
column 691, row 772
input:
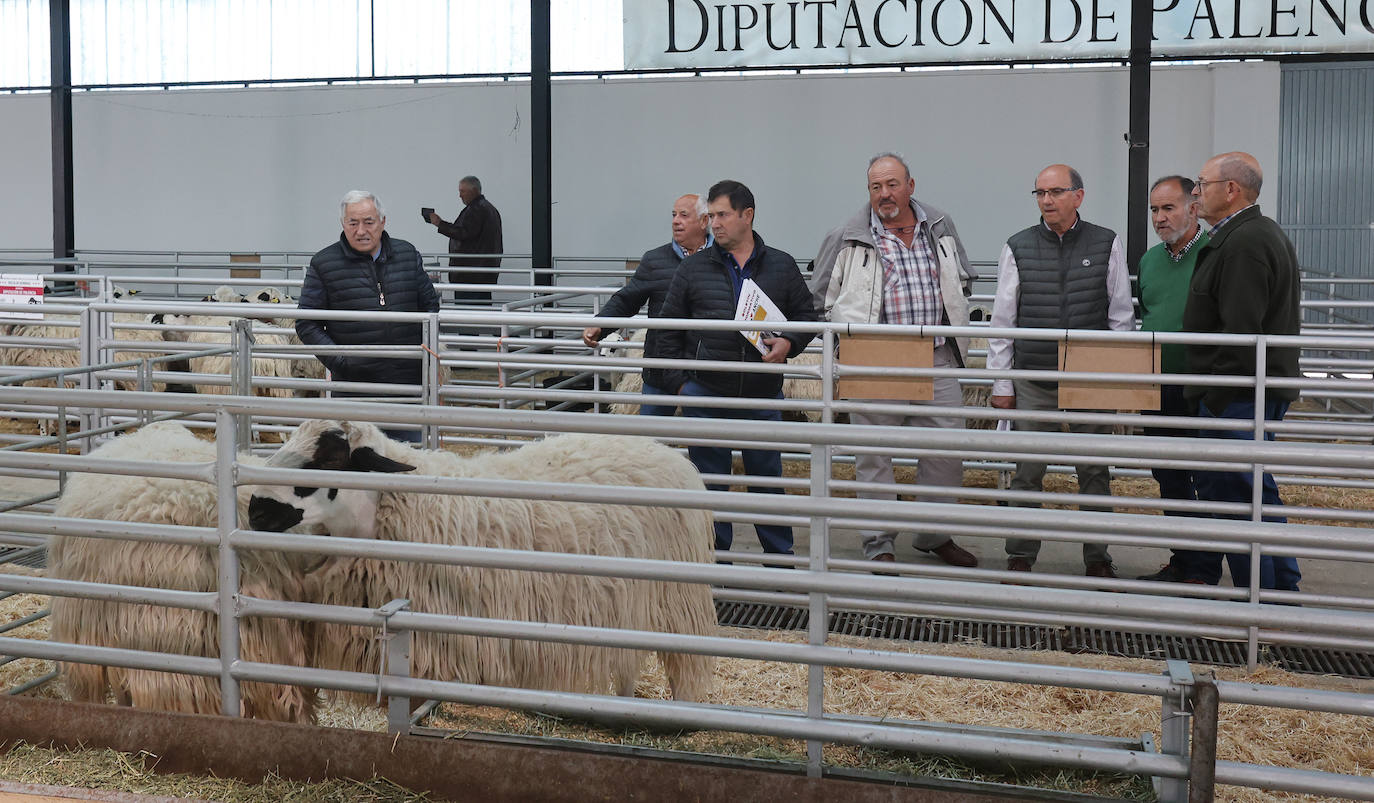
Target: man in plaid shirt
column 901, row 262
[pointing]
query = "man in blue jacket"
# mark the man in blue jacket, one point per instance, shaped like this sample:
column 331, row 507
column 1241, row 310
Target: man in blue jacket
column 708, row 285
column 367, row 269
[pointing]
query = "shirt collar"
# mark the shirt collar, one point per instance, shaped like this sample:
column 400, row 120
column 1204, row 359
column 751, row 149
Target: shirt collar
column 876, row 223
column 682, row 252
column 1182, row 252
column 1227, row 219
column 1077, row 219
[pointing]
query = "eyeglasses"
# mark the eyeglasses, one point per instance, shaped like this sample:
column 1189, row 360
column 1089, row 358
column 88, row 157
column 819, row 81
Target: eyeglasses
column 1202, row 182
column 1053, row 192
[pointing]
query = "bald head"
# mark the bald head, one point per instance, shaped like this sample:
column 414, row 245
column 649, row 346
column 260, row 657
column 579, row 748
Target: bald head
column 1059, row 193
column 1228, row 183
column 1242, row 168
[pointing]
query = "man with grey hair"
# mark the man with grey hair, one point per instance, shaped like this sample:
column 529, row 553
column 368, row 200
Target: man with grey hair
column 476, row 230
column 1163, row 276
column 650, row 284
column 1245, row 282
column 1061, row 273
column 900, row 261
column 367, row 269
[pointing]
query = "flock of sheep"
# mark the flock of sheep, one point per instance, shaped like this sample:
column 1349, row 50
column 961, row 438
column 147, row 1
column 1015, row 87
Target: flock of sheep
column 39, row 345
column 661, row 533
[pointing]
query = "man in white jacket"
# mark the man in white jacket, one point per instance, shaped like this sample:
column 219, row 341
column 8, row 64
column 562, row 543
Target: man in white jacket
column 901, row 262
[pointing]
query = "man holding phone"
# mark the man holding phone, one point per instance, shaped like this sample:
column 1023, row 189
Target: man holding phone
column 476, row 230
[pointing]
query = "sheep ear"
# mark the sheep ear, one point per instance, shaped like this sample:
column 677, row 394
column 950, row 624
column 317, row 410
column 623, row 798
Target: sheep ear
column 331, row 451
column 365, row 459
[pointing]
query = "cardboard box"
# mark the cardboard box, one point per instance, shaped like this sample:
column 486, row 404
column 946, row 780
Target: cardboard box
column 888, row 351
column 1117, row 358
column 245, row 273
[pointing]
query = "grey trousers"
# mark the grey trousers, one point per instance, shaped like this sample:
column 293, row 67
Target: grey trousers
column 947, row 472
column 1030, row 476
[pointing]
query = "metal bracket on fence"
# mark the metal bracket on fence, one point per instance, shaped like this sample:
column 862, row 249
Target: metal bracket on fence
column 394, row 660
column 241, row 375
column 1174, row 719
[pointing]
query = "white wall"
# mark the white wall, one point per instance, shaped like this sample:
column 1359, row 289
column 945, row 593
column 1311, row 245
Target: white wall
column 262, row 169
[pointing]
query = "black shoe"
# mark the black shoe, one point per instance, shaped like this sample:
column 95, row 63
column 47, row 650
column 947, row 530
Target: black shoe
column 1168, row 573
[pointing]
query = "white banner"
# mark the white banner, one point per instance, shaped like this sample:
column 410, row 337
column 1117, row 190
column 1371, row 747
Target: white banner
column 21, row 296
column 691, row 34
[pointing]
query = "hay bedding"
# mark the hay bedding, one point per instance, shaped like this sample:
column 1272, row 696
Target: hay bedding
column 1328, row 742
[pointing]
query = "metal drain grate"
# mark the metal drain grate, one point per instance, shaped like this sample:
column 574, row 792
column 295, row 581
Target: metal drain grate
column 1032, row 637
column 34, row 557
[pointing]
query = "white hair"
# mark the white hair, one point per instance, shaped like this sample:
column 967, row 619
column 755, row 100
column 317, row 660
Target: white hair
column 357, row 197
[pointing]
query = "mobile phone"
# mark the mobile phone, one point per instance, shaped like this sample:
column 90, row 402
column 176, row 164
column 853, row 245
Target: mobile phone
column 425, row 212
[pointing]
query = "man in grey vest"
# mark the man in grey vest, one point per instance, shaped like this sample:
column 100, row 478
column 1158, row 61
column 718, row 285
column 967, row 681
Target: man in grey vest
column 1062, row 273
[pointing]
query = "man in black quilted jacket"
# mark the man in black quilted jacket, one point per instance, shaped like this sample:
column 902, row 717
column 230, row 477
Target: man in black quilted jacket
column 708, row 285
column 367, row 269
column 650, row 283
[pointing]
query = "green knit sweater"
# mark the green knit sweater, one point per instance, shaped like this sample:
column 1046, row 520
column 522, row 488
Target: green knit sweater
column 1164, row 294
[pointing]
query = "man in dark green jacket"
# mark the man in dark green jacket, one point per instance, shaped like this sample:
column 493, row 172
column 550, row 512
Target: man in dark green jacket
column 1245, row 282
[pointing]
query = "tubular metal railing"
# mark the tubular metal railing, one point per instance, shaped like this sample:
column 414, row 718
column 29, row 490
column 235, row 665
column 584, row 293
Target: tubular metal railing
column 545, row 342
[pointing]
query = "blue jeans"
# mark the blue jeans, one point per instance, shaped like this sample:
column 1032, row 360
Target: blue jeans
column 1276, row 572
column 656, row 409
column 757, row 462
column 402, row 435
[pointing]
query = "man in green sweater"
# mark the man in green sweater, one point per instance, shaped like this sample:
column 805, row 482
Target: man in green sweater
column 1164, row 274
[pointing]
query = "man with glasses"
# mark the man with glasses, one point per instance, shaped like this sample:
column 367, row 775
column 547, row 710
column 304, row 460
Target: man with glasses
column 900, row 261
column 367, row 269
column 1245, row 282
column 1062, row 273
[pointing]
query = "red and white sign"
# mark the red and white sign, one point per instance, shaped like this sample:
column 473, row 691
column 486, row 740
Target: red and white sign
column 21, row 295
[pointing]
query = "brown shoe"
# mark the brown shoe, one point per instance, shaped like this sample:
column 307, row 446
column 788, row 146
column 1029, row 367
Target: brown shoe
column 1018, row 564
column 1102, row 568
column 953, row 554
column 886, row 557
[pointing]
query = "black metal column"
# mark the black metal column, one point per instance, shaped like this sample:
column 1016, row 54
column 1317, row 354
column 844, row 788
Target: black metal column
column 541, row 143
column 60, row 38
column 1138, row 137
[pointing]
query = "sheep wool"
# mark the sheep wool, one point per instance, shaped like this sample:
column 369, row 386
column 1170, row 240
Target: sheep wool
column 188, row 503
column 661, row 533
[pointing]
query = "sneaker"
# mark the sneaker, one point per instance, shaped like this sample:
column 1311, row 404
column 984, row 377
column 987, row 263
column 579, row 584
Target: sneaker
column 1102, row 568
column 1168, row 573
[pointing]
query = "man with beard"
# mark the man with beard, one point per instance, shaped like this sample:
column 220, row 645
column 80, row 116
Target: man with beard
column 900, row 261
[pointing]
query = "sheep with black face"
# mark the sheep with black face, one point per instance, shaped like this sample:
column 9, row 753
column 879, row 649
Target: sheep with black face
column 539, row 525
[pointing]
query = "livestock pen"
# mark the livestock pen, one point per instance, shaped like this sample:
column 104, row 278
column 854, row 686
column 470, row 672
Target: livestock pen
column 831, row 588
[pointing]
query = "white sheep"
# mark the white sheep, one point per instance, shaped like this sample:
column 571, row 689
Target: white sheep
column 304, row 366
column 188, row 503
column 44, row 356
column 663, row 533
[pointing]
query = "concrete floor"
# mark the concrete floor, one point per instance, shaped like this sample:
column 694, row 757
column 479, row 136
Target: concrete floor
column 1065, row 557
